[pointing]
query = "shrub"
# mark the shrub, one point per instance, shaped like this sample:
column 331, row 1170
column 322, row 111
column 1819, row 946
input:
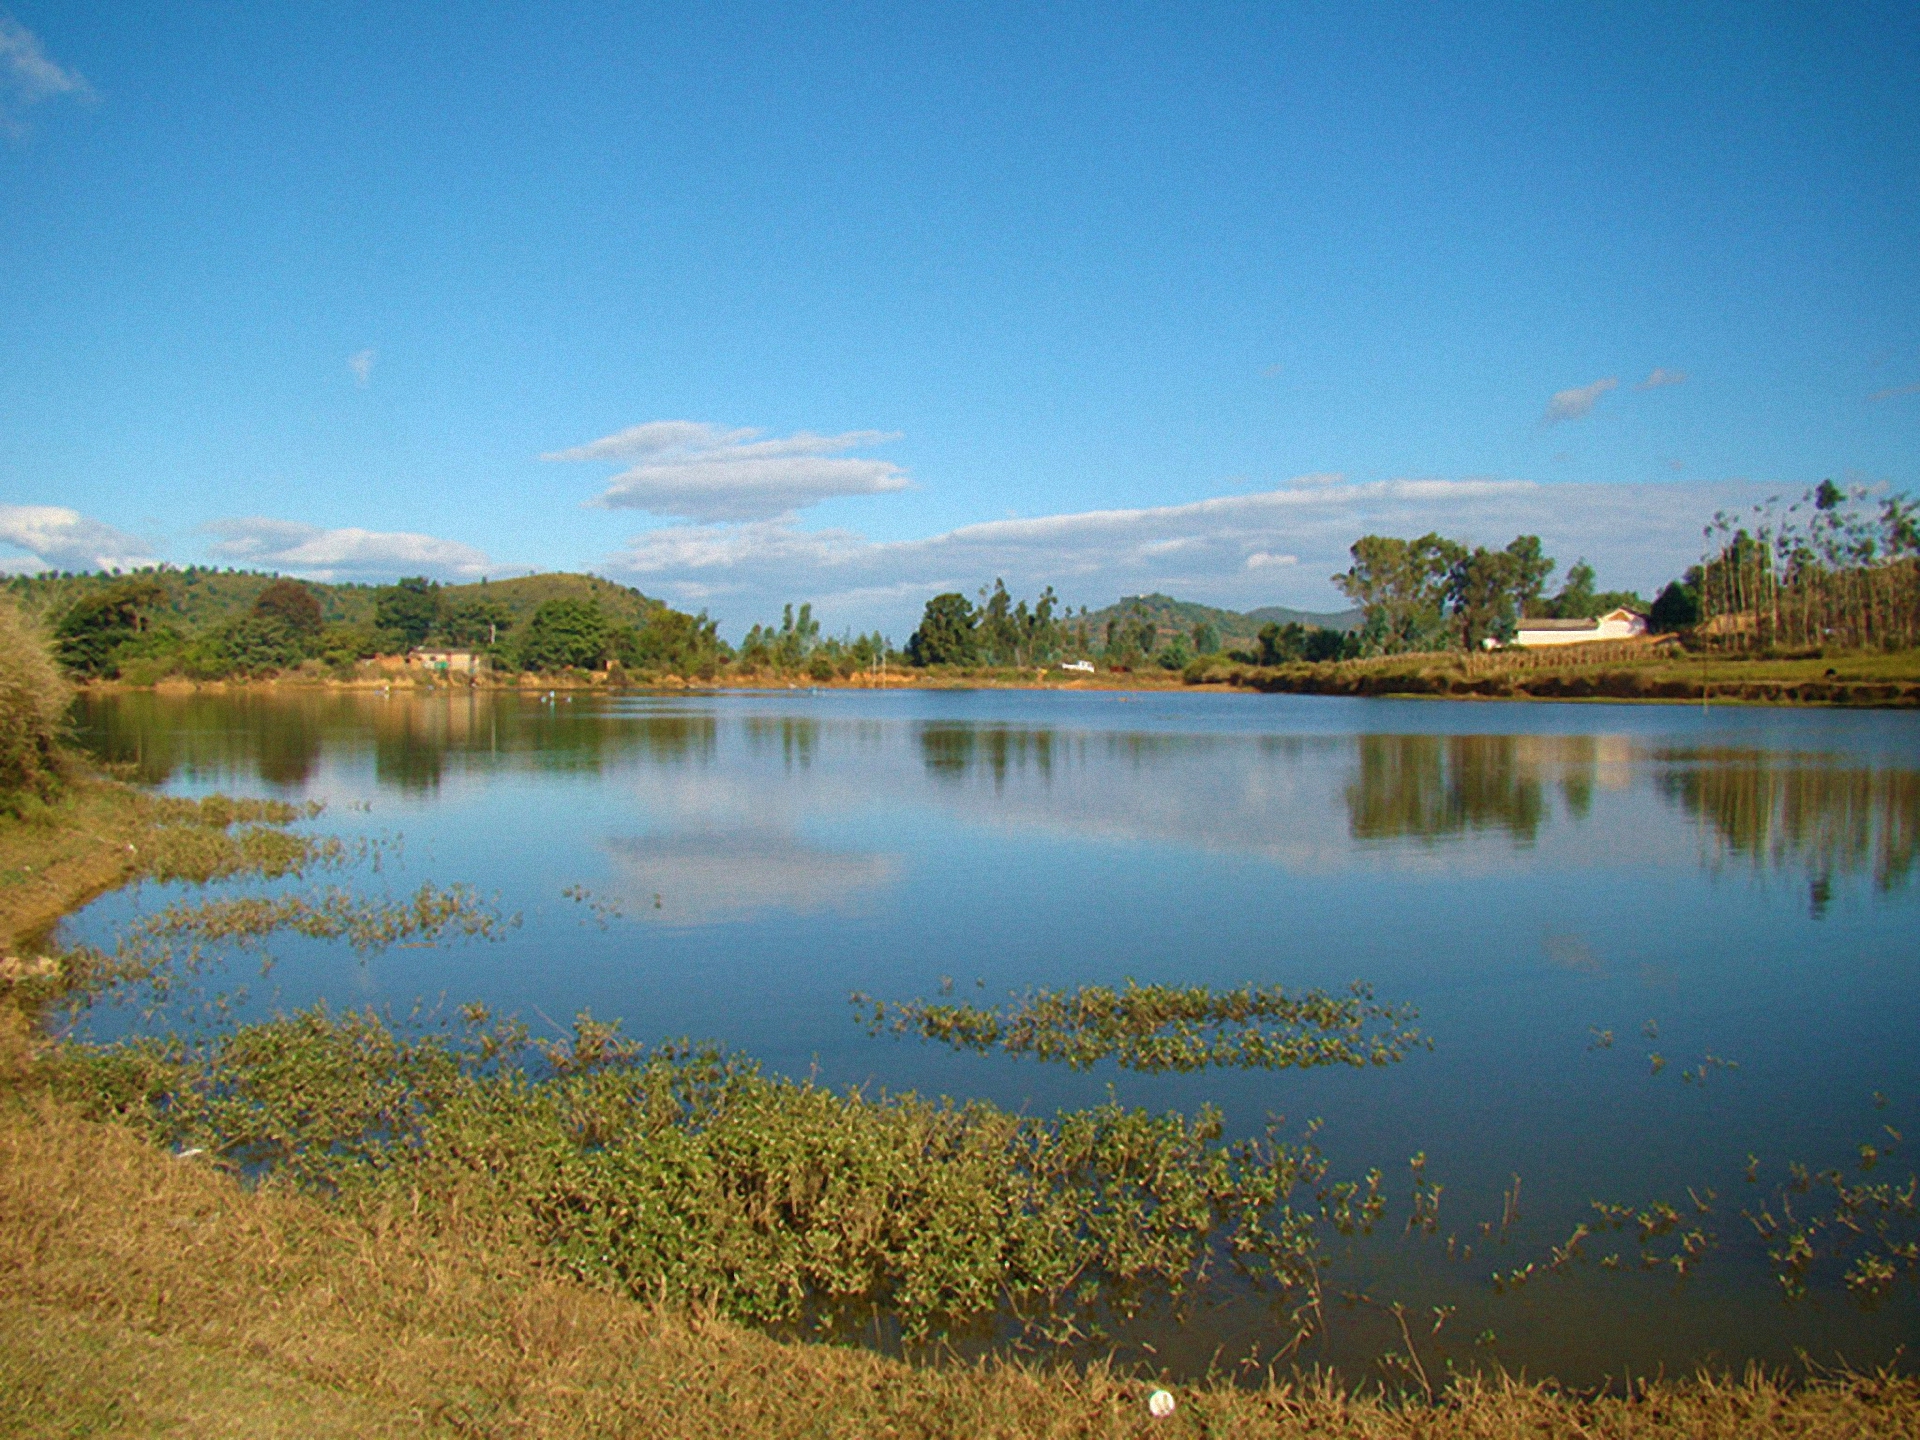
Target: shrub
column 33, row 697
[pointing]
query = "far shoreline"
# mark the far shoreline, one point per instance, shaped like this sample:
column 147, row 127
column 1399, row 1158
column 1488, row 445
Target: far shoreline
column 1663, row 676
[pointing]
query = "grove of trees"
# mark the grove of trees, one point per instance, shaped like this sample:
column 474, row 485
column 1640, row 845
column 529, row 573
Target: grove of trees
column 1433, row 593
column 1833, row 568
column 132, row 628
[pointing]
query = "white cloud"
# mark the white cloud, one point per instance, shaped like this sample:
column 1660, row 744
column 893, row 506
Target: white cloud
column 1578, row 402
column 1896, row 392
column 347, row 554
column 56, row 538
column 1238, row 551
column 1661, row 377
column 27, row 76
column 361, row 364
column 695, row 471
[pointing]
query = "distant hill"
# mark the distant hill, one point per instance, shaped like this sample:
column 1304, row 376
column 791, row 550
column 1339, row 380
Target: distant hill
column 1341, row 620
column 201, row 598
column 1236, row 629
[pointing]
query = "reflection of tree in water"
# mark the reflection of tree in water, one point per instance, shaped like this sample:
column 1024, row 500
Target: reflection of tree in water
column 152, row 736
column 1427, row 787
column 281, row 735
column 1783, row 810
column 795, row 737
column 951, row 749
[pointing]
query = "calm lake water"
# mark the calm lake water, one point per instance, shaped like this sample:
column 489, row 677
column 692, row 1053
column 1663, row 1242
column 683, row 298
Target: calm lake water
column 1730, row 883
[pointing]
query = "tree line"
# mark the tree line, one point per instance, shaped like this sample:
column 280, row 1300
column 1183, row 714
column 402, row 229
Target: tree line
column 127, row 630
column 1834, row 568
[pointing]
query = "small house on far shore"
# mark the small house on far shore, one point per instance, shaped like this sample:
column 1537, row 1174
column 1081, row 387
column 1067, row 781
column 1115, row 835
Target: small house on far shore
column 447, row 660
column 1619, row 624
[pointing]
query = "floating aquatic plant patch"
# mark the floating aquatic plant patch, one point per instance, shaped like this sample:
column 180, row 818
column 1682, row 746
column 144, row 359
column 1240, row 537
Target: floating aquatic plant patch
column 157, row 950
column 691, row 1176
column 1157, row 1028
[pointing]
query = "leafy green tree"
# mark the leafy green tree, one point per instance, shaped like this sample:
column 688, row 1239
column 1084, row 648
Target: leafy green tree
column 1132, row 636
column 1483, row 592
column 1578, row 600
column 1402, row 585
column 1000, row 637
column 293, row 605
column 564, row 634
column 88, row 633
column 669, row 642
column 785, row 648
column 1575, row 600
column 408, row 610
column 1530, row 569
column 342, row 645
column 1206, row 638
column 477, row 622
column 1677, row 606
column 1324, row 643
column 261, row 645
column 1280, row 644
column 947, row 633
column 148, row 656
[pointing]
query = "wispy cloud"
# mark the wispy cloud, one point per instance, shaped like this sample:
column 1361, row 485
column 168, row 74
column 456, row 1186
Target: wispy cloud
column 696, row 471
column 361, row 364
column 1241, row 551
column 56, row 538
column 345, row 554
column 1578, row 402
column 28, row 76
column 1660, row 377
column 1896, row 392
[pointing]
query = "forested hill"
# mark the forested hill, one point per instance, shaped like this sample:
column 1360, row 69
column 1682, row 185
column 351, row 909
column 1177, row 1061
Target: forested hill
column 204, row 599
column 1237, row 629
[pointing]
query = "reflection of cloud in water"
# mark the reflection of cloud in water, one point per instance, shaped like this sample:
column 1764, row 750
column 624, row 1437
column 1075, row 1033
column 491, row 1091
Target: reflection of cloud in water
column 713, row 877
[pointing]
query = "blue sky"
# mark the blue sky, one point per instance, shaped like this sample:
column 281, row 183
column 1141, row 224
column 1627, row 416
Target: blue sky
column 850, row 304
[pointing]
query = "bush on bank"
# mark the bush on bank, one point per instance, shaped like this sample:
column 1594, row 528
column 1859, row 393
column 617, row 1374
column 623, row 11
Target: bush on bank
column 33, row 698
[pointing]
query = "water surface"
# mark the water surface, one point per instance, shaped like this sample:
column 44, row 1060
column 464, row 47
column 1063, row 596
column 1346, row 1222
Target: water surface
column 1734, row 883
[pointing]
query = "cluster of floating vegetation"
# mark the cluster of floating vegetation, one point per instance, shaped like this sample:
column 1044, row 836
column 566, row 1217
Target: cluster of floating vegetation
column 218, row 838
column 689, row 1175
column 1158, row 1028
column 604, row 911
column 149, row 951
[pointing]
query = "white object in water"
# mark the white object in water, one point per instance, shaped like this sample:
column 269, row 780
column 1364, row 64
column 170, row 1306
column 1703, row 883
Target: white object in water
column 1160, row 1404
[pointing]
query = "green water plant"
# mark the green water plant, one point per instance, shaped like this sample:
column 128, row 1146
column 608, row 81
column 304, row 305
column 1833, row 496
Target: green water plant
column 161, row 950
column 689, row 1175
column 1157, row 1028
